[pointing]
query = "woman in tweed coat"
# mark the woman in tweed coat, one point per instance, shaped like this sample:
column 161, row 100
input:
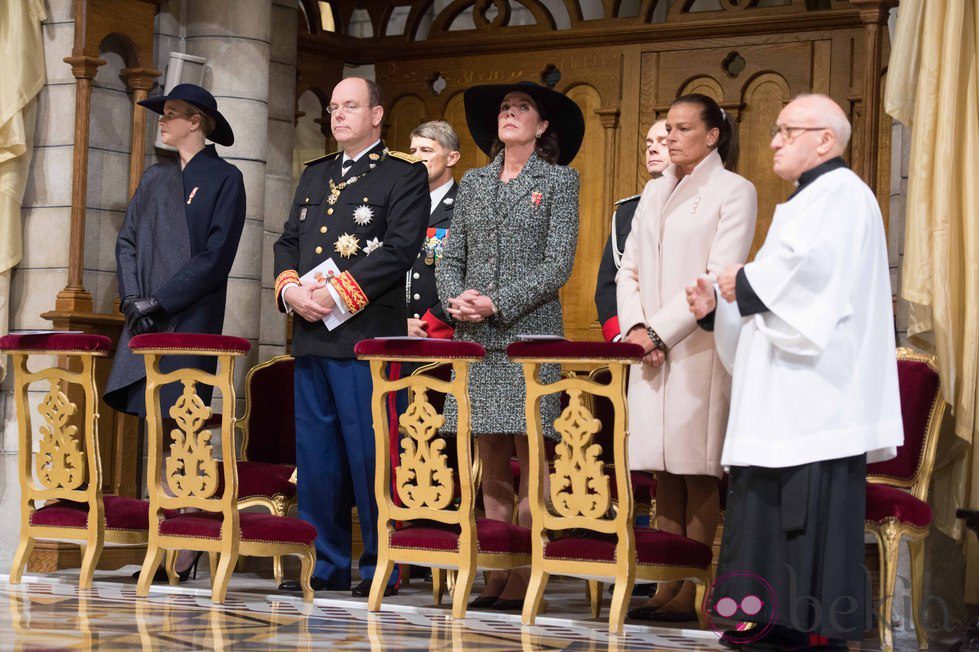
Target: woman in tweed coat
column 512, row 246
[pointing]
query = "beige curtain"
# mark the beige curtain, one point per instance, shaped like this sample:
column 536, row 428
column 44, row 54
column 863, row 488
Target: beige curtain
column 21, row 79
column 932, row 87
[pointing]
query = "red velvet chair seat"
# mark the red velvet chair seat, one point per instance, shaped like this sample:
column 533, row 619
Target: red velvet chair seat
column 190, row 342
column 885, row 502
column 254, row 526
column 426, row 349
column 63, row 342
column 568, row 349
column 653, row 548
column 121, row 513
column 492, row 537
column 264, row 479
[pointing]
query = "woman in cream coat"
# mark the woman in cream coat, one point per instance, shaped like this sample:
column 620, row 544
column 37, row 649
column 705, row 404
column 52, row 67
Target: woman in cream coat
column 697, row 218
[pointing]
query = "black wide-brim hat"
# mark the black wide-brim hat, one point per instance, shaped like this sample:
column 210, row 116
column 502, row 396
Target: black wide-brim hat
column 562, row 114
column 203, row 100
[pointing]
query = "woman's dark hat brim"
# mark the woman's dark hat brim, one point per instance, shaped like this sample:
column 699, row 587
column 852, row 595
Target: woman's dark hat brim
column 562, row 114
column 203, row 100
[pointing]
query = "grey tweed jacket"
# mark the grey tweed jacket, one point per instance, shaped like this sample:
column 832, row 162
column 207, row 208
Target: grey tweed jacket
column 515, row 243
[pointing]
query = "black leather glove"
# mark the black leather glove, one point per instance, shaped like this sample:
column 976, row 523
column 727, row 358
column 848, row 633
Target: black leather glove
column 139, row 318
column 144, row 325
column 126, row 305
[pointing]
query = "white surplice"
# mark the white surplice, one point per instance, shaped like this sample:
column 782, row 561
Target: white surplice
column 815, row 377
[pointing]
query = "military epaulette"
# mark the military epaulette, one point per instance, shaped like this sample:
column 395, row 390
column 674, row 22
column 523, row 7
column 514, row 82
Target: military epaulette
column 627, row 199
column 404, row 157
column 322, row 158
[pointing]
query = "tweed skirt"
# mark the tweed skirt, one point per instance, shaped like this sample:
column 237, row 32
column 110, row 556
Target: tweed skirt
column 498, row 395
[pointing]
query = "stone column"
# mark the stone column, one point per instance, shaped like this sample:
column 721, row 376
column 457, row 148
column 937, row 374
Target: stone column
column 279, row 184
column 234, row 36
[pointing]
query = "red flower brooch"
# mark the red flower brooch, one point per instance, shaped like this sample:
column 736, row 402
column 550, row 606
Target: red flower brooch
column 536, row 197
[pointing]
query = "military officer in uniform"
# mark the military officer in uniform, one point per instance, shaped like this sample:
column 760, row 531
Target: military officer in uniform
column 366, row 208
column 437, row 144
column 657, row 160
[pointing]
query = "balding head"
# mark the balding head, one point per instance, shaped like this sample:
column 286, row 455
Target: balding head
column 356, row 114
column 814, row 129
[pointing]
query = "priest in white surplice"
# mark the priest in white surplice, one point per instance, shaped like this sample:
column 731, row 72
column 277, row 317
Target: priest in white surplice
column 807, row 332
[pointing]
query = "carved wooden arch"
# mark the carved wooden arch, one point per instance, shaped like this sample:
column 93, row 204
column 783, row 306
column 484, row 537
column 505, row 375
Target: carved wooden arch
column 407, row 106
column 700, row 83
column 543, row 18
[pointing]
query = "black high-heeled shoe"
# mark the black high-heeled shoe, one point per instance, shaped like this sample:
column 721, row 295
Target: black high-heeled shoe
column 184, row 575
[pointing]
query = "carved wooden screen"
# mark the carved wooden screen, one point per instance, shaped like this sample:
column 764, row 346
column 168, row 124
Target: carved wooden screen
column 623, row 64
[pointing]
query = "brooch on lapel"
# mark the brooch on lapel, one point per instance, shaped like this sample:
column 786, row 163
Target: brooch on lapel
column 192, row 193
column 434, row 245
column 347, row 245
column 696, row 203
column 371, row 245
column 535, row 198
column 302, row 214
column 448, row 201
column 363, row 215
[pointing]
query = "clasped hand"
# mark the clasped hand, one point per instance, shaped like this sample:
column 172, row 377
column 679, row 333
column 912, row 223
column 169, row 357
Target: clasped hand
column 312, row 301
column 471, row 306
column 653, row 357
column 701, row 298
column 141, row 314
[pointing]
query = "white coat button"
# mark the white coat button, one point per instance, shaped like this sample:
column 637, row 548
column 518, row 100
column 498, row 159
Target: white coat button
column 417, row 297
column 417, row 316
column 415, row 275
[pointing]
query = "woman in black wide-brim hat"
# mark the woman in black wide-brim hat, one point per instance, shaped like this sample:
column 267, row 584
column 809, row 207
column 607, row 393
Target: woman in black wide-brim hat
column 176, row 245
column 511, row 249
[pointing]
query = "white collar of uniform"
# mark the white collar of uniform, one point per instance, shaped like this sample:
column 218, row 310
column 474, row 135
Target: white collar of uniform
column 439, row 194
column 360, row 153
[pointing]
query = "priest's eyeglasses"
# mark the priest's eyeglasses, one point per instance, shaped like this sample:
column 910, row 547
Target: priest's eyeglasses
column 349, row 107
column 786, row 131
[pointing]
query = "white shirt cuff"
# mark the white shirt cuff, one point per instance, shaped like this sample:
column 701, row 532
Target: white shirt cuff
column 283, row 295
column 341, row 304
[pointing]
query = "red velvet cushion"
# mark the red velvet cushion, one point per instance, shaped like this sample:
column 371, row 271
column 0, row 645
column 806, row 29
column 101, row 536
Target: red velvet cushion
column 427, row 349
column 254, row 526
column 567, row 349
column 492, row 537
column 199, row 343
column 890, row 502
column 121, row 513
column 653, row 548
column 263, row 479
column 271, row 416
column 919, row 388
column 62, row 342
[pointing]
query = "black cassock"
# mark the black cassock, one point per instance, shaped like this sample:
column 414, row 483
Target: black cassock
column 177, row 243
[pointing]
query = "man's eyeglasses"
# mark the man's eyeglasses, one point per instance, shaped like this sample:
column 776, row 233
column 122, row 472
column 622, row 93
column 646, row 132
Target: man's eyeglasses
column 786, row 132
column 349, row 107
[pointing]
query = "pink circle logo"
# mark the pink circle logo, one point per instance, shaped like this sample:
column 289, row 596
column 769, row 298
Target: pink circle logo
column 741, row 595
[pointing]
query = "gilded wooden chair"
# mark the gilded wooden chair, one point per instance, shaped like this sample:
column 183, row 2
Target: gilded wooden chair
column 438, row 530
column 197, row 480
column 66, row 472
column 267, row 442
column 897, row 490
column 576, row 530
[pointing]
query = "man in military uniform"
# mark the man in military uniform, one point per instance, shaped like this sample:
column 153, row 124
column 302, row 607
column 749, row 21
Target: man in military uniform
column 366, row 209
column 437, row 144
column 657, row 160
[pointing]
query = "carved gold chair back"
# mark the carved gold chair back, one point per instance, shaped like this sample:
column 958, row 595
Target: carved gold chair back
column 60, row 485
column 578, row 530
column 437, row 498
column 190, row 476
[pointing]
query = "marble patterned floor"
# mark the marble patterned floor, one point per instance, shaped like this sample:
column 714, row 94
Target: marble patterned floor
column 49, row 612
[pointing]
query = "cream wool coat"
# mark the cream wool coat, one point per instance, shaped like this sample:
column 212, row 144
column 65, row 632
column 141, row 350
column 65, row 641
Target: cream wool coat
column 682, row 229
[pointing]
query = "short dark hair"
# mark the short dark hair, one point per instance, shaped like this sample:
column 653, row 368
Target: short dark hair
column 716, row 118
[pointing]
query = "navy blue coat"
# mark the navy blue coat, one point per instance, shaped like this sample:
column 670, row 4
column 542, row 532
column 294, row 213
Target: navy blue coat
column 177, row 243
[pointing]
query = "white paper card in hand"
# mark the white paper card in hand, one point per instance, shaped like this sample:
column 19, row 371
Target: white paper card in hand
column 322, row 273
column 531, row 337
